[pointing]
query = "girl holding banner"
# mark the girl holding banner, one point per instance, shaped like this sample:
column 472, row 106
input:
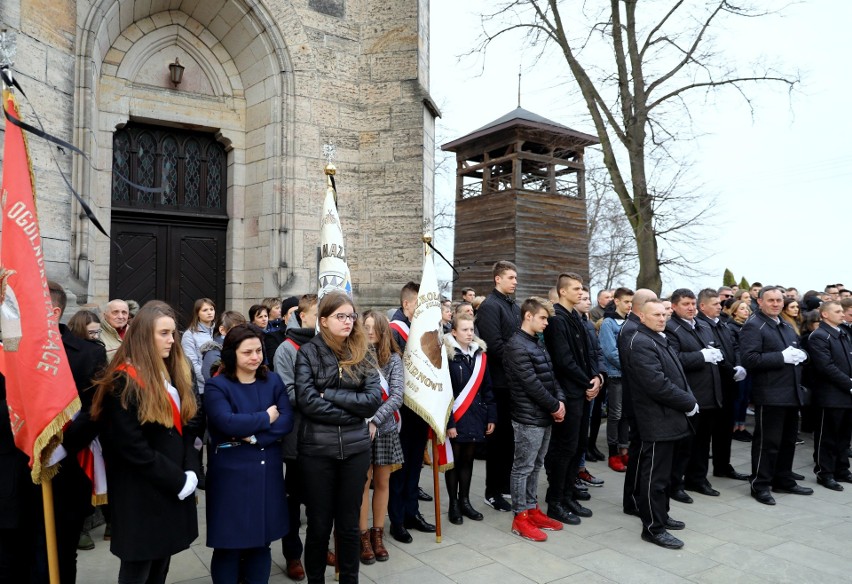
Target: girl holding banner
column 474, row 413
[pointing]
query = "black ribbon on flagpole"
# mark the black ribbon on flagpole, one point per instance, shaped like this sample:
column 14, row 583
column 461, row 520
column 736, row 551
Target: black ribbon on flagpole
column 61, row 144
column 449, row 263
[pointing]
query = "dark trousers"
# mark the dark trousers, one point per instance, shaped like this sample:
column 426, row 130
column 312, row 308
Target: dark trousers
column 773, row 446
column 333, row 489
column 144, row 572
column 655, row 471
column 680, row 461
column 630, row 495
column 405, row 482
column 831, row 442
column 501, row 446
column 291, row 544
column 246, row 566
column 568, row 442
column 722, row 435
column 699, row 454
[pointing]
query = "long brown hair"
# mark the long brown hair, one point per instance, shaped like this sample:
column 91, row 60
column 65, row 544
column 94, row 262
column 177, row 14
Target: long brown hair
column 78, row 323
column 386, row 344
column 145, row 389
column 196, row 308
column 354, row 349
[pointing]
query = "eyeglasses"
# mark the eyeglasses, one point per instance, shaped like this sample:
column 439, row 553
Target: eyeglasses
column 96, row 333
column 344, row 317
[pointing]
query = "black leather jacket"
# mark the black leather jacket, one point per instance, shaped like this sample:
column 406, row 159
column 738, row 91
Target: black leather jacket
column 533, row 388
column 334, row 405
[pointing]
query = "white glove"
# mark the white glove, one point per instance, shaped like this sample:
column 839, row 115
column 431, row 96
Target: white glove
column 739, row 373
column 801, row 356
column 712, row 355
column 58, row 455
column 693, row 412
column 789, row 355
column 189, row 485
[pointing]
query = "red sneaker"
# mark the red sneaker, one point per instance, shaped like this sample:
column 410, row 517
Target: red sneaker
column 542, row 521
column 616, row 464
column 523, row 526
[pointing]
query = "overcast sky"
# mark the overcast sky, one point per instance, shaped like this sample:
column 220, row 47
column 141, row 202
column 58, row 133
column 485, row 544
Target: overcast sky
column 780, row 179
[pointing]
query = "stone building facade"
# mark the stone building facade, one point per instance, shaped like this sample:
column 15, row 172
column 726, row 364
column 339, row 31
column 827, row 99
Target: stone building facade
column 269, row 82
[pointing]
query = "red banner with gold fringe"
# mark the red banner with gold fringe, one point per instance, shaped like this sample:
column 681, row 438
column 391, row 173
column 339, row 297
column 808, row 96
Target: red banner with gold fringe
column 40, row 389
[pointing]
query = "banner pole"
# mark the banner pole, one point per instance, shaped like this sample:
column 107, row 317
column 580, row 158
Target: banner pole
column 437, row 489
column 50, row 530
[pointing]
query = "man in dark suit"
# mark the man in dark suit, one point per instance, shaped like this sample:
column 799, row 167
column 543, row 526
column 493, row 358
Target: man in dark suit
column 730, row 372
column 662, row 402
column 770, row 352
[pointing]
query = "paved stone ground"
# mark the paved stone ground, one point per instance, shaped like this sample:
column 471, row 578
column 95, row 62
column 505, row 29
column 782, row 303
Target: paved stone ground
column 729, row 539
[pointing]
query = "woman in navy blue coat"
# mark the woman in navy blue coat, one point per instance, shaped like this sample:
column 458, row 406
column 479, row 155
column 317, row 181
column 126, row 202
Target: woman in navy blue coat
column 248, row 412
column 474, row 413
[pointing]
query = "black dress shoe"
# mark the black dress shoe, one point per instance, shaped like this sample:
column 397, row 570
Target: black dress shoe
column 796, row 476
column 590, row 457
column 680, row 496
column 454, row 513
column 844, row 478
column 468, row 511
column 593, row 450
column 400, row 533
column 560, row 513
column 419, row 523
column 794, row 490
column 664, row 539
column 764, row 497
column 705, row 489
column 580, row 495
column 674, row 524
column 830, row 483
column 423, row 495
column 577, row 509
column 731, row 474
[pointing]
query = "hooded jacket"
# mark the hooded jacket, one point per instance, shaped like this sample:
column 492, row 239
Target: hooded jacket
column 483, row 409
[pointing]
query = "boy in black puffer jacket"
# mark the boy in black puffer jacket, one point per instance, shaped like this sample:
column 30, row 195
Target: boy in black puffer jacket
column 537, row 401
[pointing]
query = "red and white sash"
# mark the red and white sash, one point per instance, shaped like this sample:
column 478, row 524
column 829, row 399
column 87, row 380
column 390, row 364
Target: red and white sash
column 465, row 398
column 386, row 396
column 401, row 328
column 445, row 454
column 91, row 460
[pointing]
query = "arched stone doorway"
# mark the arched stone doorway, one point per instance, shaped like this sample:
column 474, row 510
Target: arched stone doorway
column 237, row 90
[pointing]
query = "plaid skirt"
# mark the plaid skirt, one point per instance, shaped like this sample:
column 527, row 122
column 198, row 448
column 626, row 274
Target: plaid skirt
column 387, row 449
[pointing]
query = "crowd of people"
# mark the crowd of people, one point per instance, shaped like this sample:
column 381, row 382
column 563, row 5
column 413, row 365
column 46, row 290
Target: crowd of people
column 301, row 404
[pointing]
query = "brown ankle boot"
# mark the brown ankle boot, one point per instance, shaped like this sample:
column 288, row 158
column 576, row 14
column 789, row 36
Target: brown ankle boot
column 367, row 555
column 379, row 549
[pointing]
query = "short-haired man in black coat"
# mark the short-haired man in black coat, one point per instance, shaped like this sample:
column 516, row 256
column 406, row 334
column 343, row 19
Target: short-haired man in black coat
column 497, row 318
column 662, row 402
column 770, row 352
column 693, row 342
column 575, row 365
column 831, row 357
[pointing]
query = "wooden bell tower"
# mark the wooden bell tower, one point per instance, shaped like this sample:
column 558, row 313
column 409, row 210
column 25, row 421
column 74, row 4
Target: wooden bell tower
column 521, row 196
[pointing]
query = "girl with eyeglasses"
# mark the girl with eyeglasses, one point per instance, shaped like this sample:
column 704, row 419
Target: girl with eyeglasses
column 337, row 389
column 86, row 325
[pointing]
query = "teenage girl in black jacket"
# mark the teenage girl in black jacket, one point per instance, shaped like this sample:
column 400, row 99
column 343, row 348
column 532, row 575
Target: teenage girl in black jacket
column 337, row 388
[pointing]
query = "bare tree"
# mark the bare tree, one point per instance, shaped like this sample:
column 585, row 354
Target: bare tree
column 639, row 98
column 612, row 248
